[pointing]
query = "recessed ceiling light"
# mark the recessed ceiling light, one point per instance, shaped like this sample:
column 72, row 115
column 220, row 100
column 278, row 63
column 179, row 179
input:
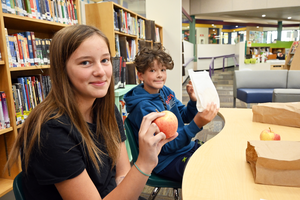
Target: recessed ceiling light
column 236, row 26
column 213, row 29
column 212, row 24
column 257, row 27
column 289, row 17
column 263, row 15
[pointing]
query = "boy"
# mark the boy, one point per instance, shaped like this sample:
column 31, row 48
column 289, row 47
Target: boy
column 152, row 94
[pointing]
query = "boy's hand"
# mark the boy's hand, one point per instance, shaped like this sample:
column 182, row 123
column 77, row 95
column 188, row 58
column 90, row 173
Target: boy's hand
column 204, row 117
column 190, row 91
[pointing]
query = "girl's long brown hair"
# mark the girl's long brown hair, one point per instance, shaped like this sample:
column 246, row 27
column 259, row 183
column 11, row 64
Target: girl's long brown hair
column 61, row 100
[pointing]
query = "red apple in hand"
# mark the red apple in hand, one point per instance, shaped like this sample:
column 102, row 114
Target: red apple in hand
column 167, row 124
column 268, row 134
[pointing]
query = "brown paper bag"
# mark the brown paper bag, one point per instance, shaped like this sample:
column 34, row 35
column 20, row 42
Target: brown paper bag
column 274, row 162
column 286, row 114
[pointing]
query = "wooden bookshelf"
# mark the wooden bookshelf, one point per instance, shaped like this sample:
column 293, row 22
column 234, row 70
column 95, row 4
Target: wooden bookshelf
column 101, row 15
column 293, row 57
column 15, row 24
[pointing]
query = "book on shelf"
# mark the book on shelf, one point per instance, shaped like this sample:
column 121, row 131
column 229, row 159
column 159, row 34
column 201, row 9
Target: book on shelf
column 130, row 74
column 150, row 30
column 6, row 120
column 117, row 64
column 117, row 46
column 116, row 21
column 17, row 105
column 157, row 35
column 2, row 121
column 123, row 74
column 20, row 114
column 123, row 47
column 141, row 28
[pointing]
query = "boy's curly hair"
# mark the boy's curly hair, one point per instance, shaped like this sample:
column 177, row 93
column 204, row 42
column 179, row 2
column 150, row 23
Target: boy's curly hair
column 144, row 59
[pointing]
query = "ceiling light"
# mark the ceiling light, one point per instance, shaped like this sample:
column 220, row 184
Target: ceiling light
column 257, row 27
column 236, row 26
column 213, row 29
column 289, row 17
column 212, row 24
column 263, row 15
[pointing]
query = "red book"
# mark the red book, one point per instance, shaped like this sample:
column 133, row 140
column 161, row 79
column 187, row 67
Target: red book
column 20, row 49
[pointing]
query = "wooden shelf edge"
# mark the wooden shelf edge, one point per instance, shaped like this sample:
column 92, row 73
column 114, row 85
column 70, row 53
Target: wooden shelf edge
column 125, row 34
column 29, row 68
column 17, row 17
column 3, row 131
column 2, row 62
column 6, row 185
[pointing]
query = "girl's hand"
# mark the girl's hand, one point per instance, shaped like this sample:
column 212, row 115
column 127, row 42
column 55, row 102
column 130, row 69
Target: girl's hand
column 151, row 141
column 190, row 91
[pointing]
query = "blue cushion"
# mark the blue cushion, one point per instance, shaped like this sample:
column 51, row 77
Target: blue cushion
column 249, row 95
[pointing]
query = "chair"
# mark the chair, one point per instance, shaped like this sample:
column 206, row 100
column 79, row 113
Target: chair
column 154, row 180
column 18, row 187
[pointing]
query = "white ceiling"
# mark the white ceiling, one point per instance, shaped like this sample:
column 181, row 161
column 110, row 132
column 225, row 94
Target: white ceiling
column 255, row 16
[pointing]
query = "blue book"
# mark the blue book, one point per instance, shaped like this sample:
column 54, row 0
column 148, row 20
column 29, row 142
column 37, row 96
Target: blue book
column 21, row 80
column 12, row 51
column 4, row 6
column 8, row 6
column 48, row 16
column 29, row 43
column 38, row 10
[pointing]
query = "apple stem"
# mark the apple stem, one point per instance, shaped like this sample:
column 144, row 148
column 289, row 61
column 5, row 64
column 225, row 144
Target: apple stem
column 270, row 129
column 157, row 110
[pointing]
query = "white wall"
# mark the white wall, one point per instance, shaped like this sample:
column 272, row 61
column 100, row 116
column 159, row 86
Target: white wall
column 188, row 56
column 203, row 31
column 210, row 50
column 168, row 14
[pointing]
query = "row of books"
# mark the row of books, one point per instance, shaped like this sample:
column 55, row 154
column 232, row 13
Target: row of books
column 125, row 48
column 4, row 116
column 25, row 50
column 61, row 11
column 124, row 22
column 119, row 69
column 28, row 92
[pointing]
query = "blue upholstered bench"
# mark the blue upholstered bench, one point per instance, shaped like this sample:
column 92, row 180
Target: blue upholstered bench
column 257, row 86
column 255, row 95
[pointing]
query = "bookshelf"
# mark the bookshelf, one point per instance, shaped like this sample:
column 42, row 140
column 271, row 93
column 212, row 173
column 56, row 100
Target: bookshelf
column 293, row 58
column 102, row 16
column 15, row 24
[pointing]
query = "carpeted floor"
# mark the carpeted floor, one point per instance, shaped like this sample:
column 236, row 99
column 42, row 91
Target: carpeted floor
column 223, row 82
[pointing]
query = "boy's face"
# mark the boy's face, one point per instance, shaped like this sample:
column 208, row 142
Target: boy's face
column 154, row 77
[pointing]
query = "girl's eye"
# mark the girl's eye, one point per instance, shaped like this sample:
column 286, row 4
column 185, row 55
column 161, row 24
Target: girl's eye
column 152, row 70
column 106, row 60
column 85, row 62
column 163, row 70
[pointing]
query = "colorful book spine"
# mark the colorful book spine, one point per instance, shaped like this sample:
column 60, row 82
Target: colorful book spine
column 30, row 49
column 2, row 123
column 5, row 109
column 8, row 48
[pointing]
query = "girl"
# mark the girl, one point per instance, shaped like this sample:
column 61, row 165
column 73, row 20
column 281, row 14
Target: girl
column 72, row 144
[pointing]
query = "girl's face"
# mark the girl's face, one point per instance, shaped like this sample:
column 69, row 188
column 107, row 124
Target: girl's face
column 154, row 77
column 89, row 69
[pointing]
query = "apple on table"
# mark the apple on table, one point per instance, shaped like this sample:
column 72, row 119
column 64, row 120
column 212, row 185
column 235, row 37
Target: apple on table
column 269, row 134
column 168, row 124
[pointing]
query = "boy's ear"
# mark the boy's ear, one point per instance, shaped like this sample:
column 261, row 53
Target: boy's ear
column 140, row 75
